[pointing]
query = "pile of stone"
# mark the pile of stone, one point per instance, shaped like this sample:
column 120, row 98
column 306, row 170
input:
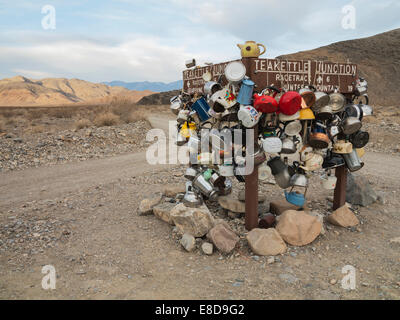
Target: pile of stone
column 198, row 228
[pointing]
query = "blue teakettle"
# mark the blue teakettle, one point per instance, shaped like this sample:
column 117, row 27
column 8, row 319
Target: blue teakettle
column 246, row 92
column 201, row 107
column 295, row 198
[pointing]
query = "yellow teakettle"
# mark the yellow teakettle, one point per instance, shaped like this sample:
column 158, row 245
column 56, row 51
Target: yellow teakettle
column 251, row 49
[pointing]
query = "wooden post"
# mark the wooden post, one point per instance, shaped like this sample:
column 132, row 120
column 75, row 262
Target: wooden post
column 339, row 199
column 251, row 180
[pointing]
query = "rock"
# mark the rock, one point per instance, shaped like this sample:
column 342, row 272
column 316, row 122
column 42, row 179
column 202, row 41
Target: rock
column 333, row 282
column 266, row 242
column 223, row 238
column 232, row 204
column 188, row 242
column 395, row 240
column 288, row 278
column 270, row 260
column 195, row 221
column 261, row 196
column 207, row 248
column 147, row 205
column 298, row 228
column 222, row 221
column 359, row 191
column 343, row 217
column 163, row 211
column 172, row 190
column 234, row 215
column 320, row 218
column 280, row 206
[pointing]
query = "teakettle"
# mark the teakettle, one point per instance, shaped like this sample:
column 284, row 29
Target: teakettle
column 251, row 49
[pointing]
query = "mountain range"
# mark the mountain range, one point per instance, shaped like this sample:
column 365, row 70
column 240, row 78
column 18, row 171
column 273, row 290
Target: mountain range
column 147, row 85
column 21, row 91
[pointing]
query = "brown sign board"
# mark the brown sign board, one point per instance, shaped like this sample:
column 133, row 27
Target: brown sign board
column 288, row 74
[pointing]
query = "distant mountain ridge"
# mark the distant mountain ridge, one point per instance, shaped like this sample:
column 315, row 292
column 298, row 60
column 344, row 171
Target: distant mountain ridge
column 21, row 91
column 147, row 85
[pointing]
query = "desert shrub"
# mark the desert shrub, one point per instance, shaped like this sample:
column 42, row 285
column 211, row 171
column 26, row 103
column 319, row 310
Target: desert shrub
column 106, row 119
column 34, row 114
column 2, row 126
column 83, row 123
column 63, row 113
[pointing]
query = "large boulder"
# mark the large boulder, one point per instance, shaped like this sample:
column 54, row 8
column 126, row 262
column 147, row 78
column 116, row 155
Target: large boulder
column 163, row 211
column 343, row 217
column 223, row 238
column 232, row 204
column 266, row 242
column 195, row 221
column 298, row 228
column 146, row 205
column 359, row 191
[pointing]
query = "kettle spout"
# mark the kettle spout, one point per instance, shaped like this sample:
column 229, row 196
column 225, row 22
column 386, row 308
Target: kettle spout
column 240, row 46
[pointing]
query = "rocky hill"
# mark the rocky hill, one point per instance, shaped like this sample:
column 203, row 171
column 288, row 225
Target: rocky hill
column 378, row 60
column 21, row 91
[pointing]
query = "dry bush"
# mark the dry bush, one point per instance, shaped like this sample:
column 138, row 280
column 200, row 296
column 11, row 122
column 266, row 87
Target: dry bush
column 2, row 126
column 10, row 122
column 7, row 114
column 83, row 123
column 106, row 119
column 62, row 113
column 34, row 114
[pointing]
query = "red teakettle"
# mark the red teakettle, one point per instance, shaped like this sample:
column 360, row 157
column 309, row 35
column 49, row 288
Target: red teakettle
column 265, row 104
column 290, row 103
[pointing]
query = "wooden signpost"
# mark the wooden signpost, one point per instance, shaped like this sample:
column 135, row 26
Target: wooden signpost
column 289, row 75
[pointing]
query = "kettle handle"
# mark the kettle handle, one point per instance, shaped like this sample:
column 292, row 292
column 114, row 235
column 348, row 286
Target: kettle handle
column 261, row 45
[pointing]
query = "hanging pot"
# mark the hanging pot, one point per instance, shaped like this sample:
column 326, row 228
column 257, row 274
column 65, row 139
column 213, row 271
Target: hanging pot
column 249, row 116
column 309, row 97
column 313, row 163
column 246, row 92
column 354, row 110
column 319, row 140
column 325, row 113
column 280, row 172
column 321, row 100
column 293, row 128
column 299, row 180
column 272, row 144
column 201, row 107
column 353, row 161
column 289, row 145
column 176, row 105
column 359, row 139
column 235, row 72
column 217, row 180
column 211, row 87
column 333, row 161
column 337, row 101
column 284, row 118
column 350, row 125
column 182, row 116
column 306, row 114
column 342, row 147
column 290, row 103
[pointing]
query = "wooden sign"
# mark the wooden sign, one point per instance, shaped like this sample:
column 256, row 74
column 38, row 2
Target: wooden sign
column 287, row 74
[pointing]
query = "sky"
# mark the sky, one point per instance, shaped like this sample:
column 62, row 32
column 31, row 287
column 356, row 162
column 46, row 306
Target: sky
column 150, row 40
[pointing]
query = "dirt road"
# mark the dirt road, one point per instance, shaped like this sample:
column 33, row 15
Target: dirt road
column 82, row 219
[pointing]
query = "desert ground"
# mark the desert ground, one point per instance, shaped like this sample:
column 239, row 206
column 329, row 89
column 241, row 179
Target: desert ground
column 71, row 180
